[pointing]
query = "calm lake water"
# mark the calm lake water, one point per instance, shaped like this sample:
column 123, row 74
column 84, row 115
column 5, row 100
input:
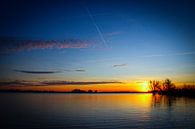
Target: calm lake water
column 95, row 111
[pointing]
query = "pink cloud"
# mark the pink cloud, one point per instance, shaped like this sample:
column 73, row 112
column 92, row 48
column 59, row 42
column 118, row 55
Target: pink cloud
column 23, row 45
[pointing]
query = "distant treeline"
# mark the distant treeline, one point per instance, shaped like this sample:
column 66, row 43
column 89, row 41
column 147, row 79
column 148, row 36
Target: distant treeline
column 73, row 91
column 167, row 87
column 83, row 91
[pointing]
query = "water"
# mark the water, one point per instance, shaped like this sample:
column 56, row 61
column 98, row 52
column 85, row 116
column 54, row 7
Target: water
column 95, row 111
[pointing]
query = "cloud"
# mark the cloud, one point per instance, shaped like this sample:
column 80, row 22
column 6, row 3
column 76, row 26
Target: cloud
column 67, row 70
column 76, row 70
column 184, row 53
column 172, row 54
column 80, row 70
column 149, row 56
column 119, row 65
column 54, row 83
column 36, row 72
column 20, row 83
column 15, row 45
column 78, row 83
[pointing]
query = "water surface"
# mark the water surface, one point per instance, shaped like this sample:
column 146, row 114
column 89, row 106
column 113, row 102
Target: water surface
column 95, row 111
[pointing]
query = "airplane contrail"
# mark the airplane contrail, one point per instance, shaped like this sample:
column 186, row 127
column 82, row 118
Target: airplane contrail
column 97, row 27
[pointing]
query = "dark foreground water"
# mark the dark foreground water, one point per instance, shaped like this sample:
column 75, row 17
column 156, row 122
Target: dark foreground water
column 95, row 111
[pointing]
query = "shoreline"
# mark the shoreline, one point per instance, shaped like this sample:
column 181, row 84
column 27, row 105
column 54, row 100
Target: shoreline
column 17, row 91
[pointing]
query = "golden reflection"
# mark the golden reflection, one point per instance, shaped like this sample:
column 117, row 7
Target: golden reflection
column 141, row 101
column 126, row 103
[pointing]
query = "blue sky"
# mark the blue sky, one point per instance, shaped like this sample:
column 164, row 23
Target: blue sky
column 98, row 40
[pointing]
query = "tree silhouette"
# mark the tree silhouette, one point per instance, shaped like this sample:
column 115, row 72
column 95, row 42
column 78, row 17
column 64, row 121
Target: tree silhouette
column 164, row 87
column 168, row 85
column 78, row 91
column 155, row 86
column 90, row 91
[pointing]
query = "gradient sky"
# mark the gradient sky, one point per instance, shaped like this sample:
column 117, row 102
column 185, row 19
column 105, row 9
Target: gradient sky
column 96, row 44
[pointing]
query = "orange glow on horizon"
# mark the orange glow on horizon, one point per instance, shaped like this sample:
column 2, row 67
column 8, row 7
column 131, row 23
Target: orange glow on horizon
column 145, row 87
column 124, row 87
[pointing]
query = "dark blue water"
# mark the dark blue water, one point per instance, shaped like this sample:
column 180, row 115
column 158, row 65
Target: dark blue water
column 95, row 111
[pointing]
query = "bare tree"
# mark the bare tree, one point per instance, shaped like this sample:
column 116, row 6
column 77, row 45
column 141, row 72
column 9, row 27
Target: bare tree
column 168, row 85
column 155, row 86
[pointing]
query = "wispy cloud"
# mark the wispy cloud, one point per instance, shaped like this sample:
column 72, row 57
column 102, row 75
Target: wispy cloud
column 172, row 54
column 67, row 70
column 149, row 56
column 14, row 45
column 36, row 72
column 19, row 83
column 54, row 83
column 78, row 83
column 119, row 65
column 184, row 53
column 80, row 70
column 75, row 70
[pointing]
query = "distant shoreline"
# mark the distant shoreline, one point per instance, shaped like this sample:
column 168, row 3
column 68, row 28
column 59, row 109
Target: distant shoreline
column 58, row 92
column 18, row 91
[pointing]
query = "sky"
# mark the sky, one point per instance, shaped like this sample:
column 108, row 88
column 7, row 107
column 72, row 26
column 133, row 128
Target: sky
column 105, row 45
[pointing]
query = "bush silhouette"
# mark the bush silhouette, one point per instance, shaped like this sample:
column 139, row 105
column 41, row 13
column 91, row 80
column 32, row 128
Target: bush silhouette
column 155, row 86
column 168, row 85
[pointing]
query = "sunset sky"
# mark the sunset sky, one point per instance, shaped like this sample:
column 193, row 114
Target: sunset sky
column 104, row 45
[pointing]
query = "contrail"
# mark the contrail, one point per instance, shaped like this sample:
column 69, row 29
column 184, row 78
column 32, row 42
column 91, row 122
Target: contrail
column 97, row 27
